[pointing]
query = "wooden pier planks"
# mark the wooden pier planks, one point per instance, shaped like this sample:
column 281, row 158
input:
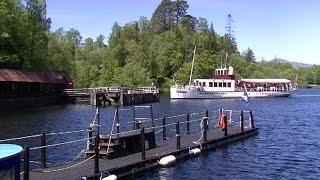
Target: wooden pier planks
column 133, row 163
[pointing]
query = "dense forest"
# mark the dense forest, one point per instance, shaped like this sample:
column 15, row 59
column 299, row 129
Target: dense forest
column 136, row 54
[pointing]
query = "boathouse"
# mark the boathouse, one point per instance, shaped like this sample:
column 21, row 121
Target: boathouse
column 17, row 87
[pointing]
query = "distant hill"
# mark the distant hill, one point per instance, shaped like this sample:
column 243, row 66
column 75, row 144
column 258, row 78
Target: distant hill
column 294, row 64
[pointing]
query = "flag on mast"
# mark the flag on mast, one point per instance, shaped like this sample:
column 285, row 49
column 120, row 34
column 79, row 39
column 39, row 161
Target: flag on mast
column 245, row 96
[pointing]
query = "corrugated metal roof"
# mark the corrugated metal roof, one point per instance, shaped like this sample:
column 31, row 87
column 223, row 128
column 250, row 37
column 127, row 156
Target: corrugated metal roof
column 11, row 75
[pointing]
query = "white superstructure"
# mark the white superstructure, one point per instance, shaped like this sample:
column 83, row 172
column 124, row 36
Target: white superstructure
column 224, row 85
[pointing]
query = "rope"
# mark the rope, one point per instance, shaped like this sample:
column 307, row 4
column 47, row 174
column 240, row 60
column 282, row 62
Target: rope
column 59, row 144
column 158, row 131
column 78, row 155
column 125, row 109
column 170, row 117
column 65, row 168
column 109, row 141
column 142, row 107
column 67, row 132
column 19, row 138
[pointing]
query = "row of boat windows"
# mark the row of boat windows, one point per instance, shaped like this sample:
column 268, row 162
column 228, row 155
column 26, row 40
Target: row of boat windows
column 206, row 93
column 215, row 84
column 181, row 91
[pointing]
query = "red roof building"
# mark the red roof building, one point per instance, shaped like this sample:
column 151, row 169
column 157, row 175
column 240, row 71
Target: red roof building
column 18, row 83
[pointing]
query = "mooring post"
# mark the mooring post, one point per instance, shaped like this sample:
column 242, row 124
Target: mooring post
column 138, row 125
column 241, row 121
column 225, row 121
column 205, row 123
column 143, row 148
column 118, row 122
column 96, row 155
column 98, row 119
column 134, row 118
column 251, row 120
column 207, row 116
column 26, row 163
column 178, row 135
column 43, row 151
column 164, row 129
column 90, row 135
column 151, row 109
column 188, row 123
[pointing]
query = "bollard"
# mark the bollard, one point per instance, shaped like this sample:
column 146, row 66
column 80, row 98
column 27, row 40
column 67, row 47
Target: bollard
column 188, row 123
column 205, row 124
column 43, row 151
column 96, row 153
column 251, row 120
column 143, row 148
column 178, row 135
column 241, row 121
column 164, row 131
column 26, row 163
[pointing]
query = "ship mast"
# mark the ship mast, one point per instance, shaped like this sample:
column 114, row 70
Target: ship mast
column 194, row 54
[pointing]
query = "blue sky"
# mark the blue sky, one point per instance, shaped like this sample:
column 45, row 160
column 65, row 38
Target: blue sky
column 287, row 29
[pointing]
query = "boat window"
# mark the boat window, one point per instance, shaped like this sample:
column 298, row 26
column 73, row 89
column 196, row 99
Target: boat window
column 220, row 84
column 210, row 84
column 229, row 84
column 224, row 84
column 203, row 84
column 215, row 84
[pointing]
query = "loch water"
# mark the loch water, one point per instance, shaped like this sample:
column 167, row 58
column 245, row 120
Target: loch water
column 287, row 146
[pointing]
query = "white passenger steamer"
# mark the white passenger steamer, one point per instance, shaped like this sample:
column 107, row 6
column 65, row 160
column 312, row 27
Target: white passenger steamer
column 224, row 85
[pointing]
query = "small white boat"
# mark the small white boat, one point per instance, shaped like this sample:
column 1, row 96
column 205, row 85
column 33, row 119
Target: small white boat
column 224, row 85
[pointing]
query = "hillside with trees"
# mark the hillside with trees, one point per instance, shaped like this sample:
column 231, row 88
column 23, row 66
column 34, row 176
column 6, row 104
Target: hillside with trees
column 139, row 53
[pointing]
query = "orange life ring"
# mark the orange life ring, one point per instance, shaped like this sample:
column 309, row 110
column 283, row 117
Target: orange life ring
column 223, row 122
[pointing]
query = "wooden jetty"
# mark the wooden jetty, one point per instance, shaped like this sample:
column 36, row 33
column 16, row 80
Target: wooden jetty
column 112, row 95
column 123, row 154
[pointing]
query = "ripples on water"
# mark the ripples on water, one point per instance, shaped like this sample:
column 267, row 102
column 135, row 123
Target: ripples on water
column 287, row 146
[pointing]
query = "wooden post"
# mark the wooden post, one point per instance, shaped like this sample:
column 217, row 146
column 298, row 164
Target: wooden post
column 96, row 153
column 98, row 119
column 138, row 125
column 251, row 120
column 205, row 122
column 134, row 117
column 143, row 148
column 151, row 109
column 207, row 116
column 241, row 121
column 225, row 121
column 26, row 163
column 178, row 135
column 90, row 135
column 43, row 151
column 118, row 122
column 164, row 128
column 188, row 123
